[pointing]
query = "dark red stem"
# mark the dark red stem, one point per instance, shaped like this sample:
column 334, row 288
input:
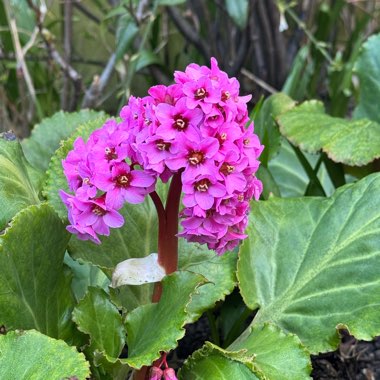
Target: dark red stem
column 167, row 244
column 167, row 232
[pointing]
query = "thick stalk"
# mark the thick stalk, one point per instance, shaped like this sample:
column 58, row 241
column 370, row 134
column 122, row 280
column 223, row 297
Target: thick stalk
column 167, row 242
column 167, row 233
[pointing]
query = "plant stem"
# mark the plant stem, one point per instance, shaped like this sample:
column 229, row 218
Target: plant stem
column 167, row 242
column 167, row 232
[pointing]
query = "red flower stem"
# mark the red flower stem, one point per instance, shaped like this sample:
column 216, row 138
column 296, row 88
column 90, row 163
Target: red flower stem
column 167, row 232
column 158, row 204
column 167, row 247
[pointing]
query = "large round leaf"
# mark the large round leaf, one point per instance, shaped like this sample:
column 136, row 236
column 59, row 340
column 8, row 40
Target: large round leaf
column 352, row 142
column 35, row 288
column 46, row 136
column 30, row 355
column 312, row 264
column 367, row 68
column 18, row 181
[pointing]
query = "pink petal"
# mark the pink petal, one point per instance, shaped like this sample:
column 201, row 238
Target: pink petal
column 204, row 200
column 141, row 179
column 113, row 219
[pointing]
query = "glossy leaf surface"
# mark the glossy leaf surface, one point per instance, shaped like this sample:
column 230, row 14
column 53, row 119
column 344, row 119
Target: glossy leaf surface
column 276, row 355
column 214, row 363
column 36, row 290
column 265, row 125
column 46, row 136
column 352, row 142
column 312, row 264
column 19, row 182
column 367, row 68
column 30, row 355
column 98, row 317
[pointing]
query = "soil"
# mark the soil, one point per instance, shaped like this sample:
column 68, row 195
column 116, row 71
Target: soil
column 353, row 360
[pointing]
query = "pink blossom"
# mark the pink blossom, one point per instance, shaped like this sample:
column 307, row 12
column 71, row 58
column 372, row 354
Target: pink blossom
column 123, row 184
column 91, row 217
column 177, row 118
column 169, row 374
column 201, row 93
column 195, row 156
column 155, row 373
column 202, row 191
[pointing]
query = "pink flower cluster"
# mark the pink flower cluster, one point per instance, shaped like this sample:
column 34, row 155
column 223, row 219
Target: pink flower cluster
column 196, row 127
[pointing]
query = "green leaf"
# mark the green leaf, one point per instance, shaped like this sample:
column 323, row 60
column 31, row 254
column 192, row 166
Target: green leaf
column 18, row 181
column 35, row 290
column 218, row 270
column 125, row 33
column 98, row 317
column 290, row 175
column 128, row 297
column 56, row 179
column 30, row 355
column 315, row 264
column 85, row 275
column 143, row 59
column 270, row 186
column 238, row 11
column 266, row 127
column 352, row 142
column 25, row 18
column 46, row 136
column 157, row 327
column 277, row 356
column 367, row 67
column 213, row 363
column 106, row 368
column 300, row 74
column 288, row 172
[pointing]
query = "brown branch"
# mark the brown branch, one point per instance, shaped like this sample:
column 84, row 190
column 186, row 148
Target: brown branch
column 188, row 32
column 267, row 41
column 98, row 84
column 22, row 68
column 258, row 81
column 86, row 12
column 67, row 69
column 9, row 56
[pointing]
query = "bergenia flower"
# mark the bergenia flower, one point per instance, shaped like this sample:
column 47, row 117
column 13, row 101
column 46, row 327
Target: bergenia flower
column 196, row 128
column 123, row 184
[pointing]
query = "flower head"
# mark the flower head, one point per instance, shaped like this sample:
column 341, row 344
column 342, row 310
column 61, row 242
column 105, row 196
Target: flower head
column 195, row 128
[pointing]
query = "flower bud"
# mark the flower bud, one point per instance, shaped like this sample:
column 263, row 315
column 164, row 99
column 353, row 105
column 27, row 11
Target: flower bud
column 169, row 374
column 155, row 373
